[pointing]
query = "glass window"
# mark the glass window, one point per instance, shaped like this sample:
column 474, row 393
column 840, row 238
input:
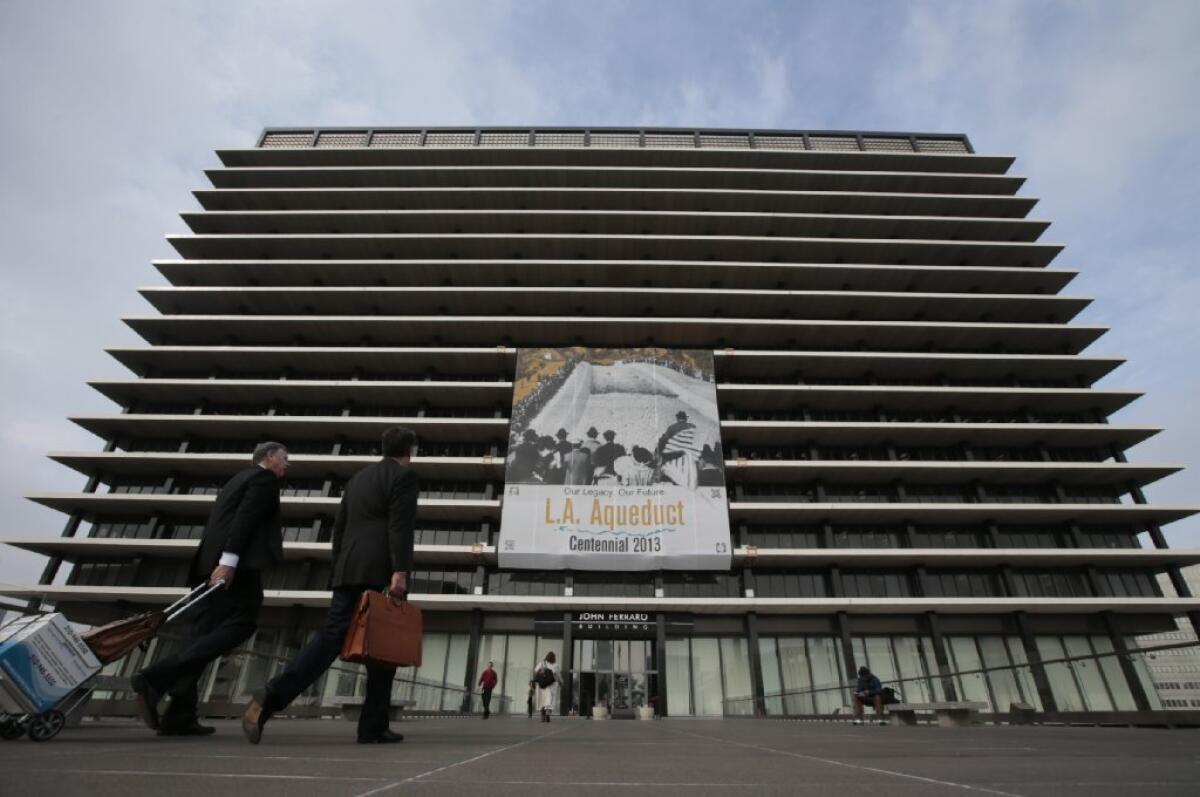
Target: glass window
column 1143, row 673
column 876, row 584
column 456, row 671
column 914, row 669
column 1088, row 674
column 797, row 679
column 769, row 584
column 679, row 677
column 735, row 671
column 706, row 675
column 1005, row 688
column 965, row 661
column 768, row 657
column 828, row 675
column 1110, row 670
column 1062, row 681
column 518, row 667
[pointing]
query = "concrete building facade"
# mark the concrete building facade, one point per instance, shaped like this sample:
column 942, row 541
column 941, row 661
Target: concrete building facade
column 922, row 476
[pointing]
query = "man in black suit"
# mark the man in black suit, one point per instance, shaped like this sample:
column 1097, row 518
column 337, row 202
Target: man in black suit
column 241, row 538
column 372, row 549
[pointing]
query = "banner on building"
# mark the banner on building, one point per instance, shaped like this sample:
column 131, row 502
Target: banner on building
column 615, row 462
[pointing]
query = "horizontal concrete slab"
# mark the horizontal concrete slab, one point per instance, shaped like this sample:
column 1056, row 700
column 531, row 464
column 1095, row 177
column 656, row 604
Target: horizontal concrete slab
column 93, row 505
column 75, row 548
column 736, row 606
column 871, row 512
column 107, row 464
column 732, row 365
column 733, row 398
column 761, row 157
column 97, row 505
column 734, row 433
column 499, row 269
column 745, row 201
column 464, row 299
column 618, row 221
column 593, row 176
column 614, row 331
column 619, row 246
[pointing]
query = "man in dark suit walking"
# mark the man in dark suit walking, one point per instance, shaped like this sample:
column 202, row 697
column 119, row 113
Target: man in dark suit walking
column 241, row 538
column 372, row 549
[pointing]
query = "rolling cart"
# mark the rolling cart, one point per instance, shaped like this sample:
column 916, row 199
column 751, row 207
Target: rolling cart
column 48, row 670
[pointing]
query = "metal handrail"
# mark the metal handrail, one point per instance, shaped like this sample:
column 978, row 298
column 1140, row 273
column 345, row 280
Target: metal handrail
column 941, row 676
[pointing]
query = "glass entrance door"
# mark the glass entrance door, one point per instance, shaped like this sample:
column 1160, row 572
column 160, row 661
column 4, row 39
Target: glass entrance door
column 615, row 673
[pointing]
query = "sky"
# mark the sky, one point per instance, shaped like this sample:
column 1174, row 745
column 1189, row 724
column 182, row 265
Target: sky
column 109, row 112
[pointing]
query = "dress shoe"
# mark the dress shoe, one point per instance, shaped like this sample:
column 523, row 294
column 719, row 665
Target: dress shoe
column 147, row 701
column 192, row 728
column 254, row 719
column 384, row 737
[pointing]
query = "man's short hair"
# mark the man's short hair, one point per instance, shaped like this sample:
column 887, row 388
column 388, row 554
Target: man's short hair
column 264, row 450
column 398, row 442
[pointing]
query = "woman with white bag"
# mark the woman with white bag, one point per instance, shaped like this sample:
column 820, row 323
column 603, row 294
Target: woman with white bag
column 546, row 678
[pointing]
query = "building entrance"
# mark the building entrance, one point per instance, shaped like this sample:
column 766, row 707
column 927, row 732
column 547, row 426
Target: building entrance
column 619, row 674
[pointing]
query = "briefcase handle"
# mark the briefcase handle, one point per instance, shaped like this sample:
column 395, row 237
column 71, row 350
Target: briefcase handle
column 387, row 593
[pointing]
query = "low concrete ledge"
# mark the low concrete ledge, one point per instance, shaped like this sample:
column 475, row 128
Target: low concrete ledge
column 949, row 714
column 351, row 708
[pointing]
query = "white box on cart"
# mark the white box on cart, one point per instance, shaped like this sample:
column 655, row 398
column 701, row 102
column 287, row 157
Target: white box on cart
column 41, row 661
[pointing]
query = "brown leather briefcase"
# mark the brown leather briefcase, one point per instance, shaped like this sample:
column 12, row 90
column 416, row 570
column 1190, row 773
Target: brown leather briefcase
column 384, row 631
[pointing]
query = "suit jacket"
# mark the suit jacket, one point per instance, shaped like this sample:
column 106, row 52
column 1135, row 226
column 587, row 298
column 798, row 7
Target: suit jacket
column 374, row 528
column 245, row 520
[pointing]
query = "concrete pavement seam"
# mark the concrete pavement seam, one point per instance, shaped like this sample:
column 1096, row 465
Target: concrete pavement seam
column 479, row 757
column 834, row 762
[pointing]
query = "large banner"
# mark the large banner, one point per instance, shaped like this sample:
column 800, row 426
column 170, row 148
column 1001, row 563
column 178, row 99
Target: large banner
column 614, row 462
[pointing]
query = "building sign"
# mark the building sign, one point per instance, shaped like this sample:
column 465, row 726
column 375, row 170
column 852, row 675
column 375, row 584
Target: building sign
column 615, row 462
column 613, row 622
column 612, row 625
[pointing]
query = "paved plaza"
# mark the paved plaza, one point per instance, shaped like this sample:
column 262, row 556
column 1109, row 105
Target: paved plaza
column 515, row 756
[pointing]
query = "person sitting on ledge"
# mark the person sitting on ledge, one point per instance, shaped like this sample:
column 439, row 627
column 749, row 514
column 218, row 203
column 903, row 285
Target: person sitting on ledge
column 868, row 688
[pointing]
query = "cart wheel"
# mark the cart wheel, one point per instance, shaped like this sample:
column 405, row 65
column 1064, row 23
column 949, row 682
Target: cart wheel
column 45, row 727
column 10, row 728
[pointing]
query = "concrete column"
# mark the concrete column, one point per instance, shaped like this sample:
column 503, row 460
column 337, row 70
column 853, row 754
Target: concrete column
column 473, row 667
column 566, row 693
column 1140, row 699
column 842, row 626
column 756, row 678
column 1040, row 679
column 660, row 664
column 934, row 625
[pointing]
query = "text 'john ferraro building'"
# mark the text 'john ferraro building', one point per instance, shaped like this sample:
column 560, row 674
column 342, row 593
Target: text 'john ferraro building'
column 717, row 416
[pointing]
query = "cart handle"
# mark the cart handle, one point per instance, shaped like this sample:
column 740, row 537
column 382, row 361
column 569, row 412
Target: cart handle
column 199, row 593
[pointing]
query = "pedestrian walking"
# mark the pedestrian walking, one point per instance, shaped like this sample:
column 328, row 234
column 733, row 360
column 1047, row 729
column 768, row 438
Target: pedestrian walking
column 372, row 550
column 487, row 682
column 546, row 679
column 242, row 537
